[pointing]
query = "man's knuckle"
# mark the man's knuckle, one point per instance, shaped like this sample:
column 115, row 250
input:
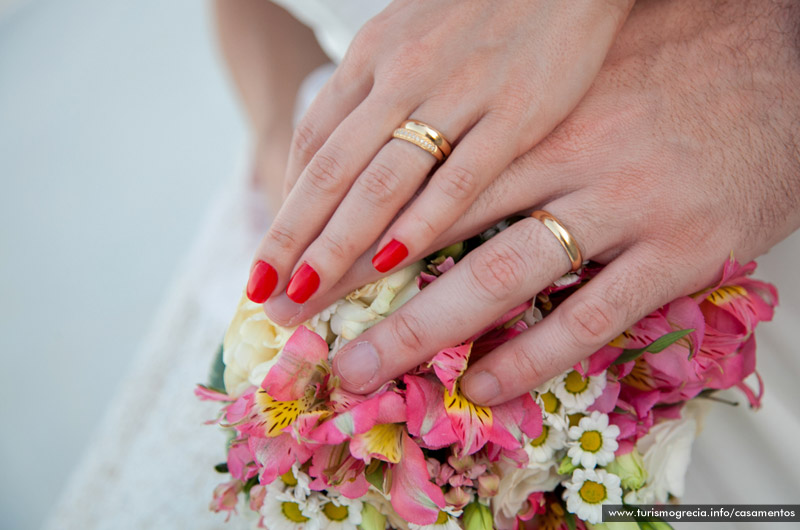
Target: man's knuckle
column 458, row 183
column 526, row 366
column 590, row 322
column 497, row 272
column 407, row 331
column 379, row 183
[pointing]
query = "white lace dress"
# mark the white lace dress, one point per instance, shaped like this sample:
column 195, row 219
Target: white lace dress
column 150, row 465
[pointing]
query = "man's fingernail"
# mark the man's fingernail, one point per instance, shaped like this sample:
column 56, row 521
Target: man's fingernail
column 303, row 284
column 263, row 278
column 389, row 256
column 282, row 311
column 357, row 364
column 481, row 388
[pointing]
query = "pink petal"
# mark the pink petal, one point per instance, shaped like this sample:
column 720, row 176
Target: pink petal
column 602, row 359
column 387, row 407
column 240, row 409
column 513, row 418
column 208, row 394
column 426, row 415
column 685, row 313
column 607, row 401
column 472, row 424
column 414, row 497
column 240, row 462
column 450, row 363
column 297, row 363
column 275, row 456
column 335, row 468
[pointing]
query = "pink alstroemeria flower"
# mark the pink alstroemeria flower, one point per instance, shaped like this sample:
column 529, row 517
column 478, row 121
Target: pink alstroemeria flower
column 226, row 496
column 441, row 415
column 277, row 418
column 373, row 429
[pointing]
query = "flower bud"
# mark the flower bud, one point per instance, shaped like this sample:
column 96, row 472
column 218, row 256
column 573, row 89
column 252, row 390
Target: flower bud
column 630, row 469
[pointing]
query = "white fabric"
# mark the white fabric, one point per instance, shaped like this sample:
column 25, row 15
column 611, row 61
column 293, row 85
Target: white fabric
column 150, row 465
column 335, row 22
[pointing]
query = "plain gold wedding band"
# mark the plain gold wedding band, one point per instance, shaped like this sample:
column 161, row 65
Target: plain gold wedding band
column 425, row 137
column 563, row 236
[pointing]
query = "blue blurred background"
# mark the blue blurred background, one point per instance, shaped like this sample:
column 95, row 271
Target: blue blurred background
column 117, row 128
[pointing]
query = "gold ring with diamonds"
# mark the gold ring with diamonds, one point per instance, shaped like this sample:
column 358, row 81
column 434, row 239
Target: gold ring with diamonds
column 424, row 136
column 563, row 236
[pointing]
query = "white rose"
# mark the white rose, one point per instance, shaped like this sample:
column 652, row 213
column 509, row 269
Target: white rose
column 666, row 452
column 351, row 319
column 251, row 342
column 387, row 294
column 515, row 486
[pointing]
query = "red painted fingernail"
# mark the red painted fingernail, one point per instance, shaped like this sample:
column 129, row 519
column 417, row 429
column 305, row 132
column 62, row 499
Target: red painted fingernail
column 263, row 279
column 303, row 284
column 389, row 256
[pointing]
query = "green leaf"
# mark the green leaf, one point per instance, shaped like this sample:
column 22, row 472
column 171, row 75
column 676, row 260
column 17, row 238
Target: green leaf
column 252, row 481
column 569, row 518
column 215, row 378
column 375, row 475
column 657, row 346
column 453, row 251
column 221, row 468
column 371, row 518
column 477, row 517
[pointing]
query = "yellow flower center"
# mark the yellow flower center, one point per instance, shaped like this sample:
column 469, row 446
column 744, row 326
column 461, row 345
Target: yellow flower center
column 622, row 339
column 542, row 438
column 335, row 513
column 550, row 402
column 726, row 293
column 574, row 419
column 386, row 440
column 278, row 415
column 457, row 403
column 288, row 479
column 443, row 518
column 575, row 383
column 291, row 510
column 593, row 492
column 591, row 441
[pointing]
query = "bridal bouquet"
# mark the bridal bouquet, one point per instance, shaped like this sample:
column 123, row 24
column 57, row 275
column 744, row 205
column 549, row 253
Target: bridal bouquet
column 416, row 454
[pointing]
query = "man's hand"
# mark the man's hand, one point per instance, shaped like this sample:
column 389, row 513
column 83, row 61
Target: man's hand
column 684, row 150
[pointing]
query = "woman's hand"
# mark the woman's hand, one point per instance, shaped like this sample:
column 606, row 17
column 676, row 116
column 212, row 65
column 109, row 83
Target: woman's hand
column 684, row 150
column 493, row 77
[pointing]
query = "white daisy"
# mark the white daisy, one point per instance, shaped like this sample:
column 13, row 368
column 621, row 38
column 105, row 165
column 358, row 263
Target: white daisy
column 593, row 441
column 577, row 393
column 553, row 411
column 295, row 482
column 281, row 511
column 447, row 520
column 340, row 513
column 542, row 448
column 588, row 490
